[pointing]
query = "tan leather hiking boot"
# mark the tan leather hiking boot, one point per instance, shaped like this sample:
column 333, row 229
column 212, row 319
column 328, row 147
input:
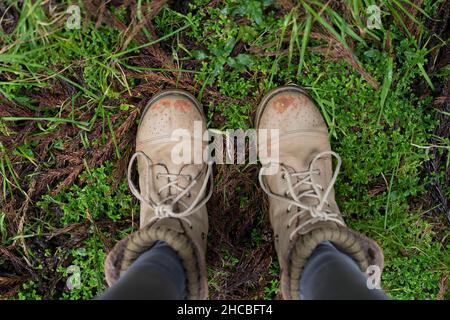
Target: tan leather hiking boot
column 172, row 196
column 303, row 211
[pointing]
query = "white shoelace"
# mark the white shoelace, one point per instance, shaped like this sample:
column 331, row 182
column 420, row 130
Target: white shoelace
column 165, row 207
column 318, row 212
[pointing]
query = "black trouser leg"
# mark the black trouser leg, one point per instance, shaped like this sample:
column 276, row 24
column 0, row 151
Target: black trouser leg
column 157, row 274
column 331, row 274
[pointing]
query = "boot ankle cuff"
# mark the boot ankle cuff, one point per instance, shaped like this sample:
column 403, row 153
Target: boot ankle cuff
column 362, row 250
column 126, row 251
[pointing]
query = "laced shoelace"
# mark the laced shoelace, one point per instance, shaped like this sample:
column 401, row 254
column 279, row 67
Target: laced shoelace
column 318, row 212
column 165, row 207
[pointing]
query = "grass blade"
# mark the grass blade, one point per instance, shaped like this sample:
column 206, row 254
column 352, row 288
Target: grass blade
column 326, row 25
column 305, row 39
column 425, row 76
column 50, row 119
column 148, row 44
column 386, row 85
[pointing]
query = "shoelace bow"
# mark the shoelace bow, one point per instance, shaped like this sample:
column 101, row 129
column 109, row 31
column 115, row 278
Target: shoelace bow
column 165, row 207
column 318, row 212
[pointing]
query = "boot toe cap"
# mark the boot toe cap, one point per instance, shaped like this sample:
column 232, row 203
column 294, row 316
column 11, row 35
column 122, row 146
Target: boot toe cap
column 291, row 111
column 163, row 116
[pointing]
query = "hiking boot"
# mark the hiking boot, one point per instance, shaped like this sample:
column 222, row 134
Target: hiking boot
column 303, row 211
column 172, row 195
